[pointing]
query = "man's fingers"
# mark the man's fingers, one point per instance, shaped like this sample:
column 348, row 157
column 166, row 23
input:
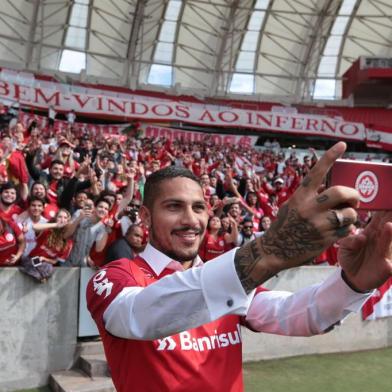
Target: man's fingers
column 317, row 174
column 342, row 217
column 353, row 242
column 378, row 220
column 338, row 196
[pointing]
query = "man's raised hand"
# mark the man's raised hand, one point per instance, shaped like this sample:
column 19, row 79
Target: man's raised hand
column 366, row 258
column 308, row 223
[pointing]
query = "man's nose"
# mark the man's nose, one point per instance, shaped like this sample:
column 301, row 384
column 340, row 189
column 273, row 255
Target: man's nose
column 189, row 217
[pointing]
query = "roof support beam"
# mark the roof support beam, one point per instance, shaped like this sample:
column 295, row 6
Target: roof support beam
column 345, row 35
column 317, row 45
column 268, row 13
column 130, row 64
column 33, row 28
column 228, row 32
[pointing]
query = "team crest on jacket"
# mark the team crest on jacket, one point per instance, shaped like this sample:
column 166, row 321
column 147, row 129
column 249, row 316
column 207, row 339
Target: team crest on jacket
column 102, row 284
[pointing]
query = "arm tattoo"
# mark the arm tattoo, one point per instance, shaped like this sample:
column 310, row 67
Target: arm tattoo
column 245, row 261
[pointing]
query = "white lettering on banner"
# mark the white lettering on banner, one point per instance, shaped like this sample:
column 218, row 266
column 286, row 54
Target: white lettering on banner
column 129, row 106
column 102, row 284
column 210, row 342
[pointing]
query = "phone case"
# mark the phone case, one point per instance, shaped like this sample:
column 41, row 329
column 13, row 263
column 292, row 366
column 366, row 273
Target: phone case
column 373, row 181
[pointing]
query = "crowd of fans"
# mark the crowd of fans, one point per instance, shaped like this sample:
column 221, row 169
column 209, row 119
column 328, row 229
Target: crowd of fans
column 68, row 198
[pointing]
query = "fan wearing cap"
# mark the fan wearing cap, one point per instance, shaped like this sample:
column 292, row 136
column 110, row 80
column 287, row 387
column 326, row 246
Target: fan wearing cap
column 281, row 191
column 64, row 154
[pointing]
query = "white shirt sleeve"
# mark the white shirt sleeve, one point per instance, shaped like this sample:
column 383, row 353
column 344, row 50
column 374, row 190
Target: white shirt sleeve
column 178, row 302
column 188, row 299
column 310, row 311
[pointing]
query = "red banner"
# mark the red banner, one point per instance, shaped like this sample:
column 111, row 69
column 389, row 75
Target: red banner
column 338, row 123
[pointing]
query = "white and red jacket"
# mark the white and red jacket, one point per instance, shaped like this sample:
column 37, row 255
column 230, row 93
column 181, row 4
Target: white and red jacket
column 166, row 329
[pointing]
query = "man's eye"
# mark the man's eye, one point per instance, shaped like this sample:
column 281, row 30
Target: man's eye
column 199, row 208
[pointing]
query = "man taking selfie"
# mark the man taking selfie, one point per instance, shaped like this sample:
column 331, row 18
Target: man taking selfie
column 170, row 323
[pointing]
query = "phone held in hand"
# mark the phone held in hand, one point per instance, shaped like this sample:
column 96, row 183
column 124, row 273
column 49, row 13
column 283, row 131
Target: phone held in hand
column 373, row 181
column 36, row 261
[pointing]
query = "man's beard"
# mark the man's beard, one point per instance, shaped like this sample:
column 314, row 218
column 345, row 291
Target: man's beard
column 171, row 252
column 7, row 203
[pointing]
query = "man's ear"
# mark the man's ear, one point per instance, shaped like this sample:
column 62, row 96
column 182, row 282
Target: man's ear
column 145, row 216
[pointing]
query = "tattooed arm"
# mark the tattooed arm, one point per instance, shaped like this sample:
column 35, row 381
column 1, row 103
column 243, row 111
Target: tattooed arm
column 306, row 225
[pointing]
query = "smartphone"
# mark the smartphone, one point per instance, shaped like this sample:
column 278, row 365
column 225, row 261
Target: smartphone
column 373, row 181
column 36, row 261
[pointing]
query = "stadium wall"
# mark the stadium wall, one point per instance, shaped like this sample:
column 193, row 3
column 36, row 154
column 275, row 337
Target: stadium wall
column 353, row 334
column 39, row 328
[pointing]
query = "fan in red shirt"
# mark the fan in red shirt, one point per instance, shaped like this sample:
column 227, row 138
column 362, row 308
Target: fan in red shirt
column 12, row 243
column 50, row 209
column 215, row 241
column 13, row 162
column 52, row 247
column 9, row 209
column 64, row 154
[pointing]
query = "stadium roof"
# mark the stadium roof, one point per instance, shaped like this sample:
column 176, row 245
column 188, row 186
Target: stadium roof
column 286, row 50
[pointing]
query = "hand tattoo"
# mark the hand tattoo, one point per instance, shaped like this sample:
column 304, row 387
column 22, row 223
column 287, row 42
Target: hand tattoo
column 290, row 238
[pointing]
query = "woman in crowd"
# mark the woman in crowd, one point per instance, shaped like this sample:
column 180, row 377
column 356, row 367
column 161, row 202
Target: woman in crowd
column 52, row 248
column 64, row 154
column 216, row 241
column 255, row 212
